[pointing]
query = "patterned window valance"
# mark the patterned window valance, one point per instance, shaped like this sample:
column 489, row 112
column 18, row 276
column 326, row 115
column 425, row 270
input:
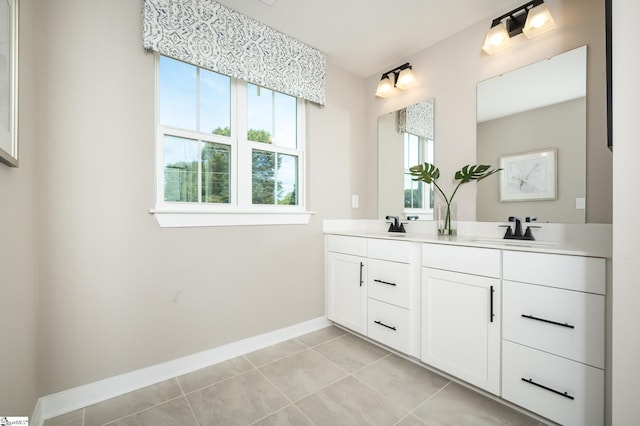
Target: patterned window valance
column 417, row 119
column 210, row 35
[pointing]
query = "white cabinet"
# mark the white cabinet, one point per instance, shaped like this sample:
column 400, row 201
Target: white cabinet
column 554, row 340
column 461, row 314
column 346, row 282
column 372, row 289
column 393, row 304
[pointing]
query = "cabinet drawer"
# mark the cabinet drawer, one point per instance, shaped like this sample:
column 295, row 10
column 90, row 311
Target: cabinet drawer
column 395, row 251
column 583, row 403
column 389, row 325
column 348, row 245
column 556, row 270
column 389, row 282
column 563, row 322
column 470, row 260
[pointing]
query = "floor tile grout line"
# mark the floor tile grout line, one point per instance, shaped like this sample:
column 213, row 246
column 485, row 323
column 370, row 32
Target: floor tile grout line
column 143, row 410
column 184, row 394
column 397, row 404
column 286, row 397
column 306, row 348
column 326, row 341
column 221, row 380
column 433, row 395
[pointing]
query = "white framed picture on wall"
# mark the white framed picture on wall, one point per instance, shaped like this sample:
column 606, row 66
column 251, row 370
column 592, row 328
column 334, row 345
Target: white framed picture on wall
column 529, row 176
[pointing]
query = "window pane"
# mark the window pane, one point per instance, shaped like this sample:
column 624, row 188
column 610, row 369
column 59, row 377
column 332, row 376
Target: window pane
column 274, row 178
column 412, row 193
column 216, row 170
column 259, row 114
column 177, row 94
column 180, row 169
column 287, row 179
column 263, row 177
column 285, row 121
column 272, row 117
column 215, row 103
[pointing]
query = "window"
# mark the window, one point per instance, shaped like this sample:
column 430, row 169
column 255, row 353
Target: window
column 227, row 148
column 418, row 198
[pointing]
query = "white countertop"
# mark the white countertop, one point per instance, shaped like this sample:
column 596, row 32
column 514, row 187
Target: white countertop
column 579, row 240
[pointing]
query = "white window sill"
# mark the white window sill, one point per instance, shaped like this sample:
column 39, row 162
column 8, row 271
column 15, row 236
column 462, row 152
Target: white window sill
column 170, row 218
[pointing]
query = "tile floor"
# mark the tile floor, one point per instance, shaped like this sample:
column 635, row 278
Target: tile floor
column 328, row 377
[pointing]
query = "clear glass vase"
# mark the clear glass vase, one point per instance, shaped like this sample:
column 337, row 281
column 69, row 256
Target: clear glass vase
column 446, row 217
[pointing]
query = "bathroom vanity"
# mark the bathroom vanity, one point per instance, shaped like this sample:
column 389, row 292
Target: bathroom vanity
column 523, row 321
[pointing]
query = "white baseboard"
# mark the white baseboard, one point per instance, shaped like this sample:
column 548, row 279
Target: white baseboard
column 82, row 396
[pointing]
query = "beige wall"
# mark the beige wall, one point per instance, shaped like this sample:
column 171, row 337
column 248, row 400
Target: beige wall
column 118, row 292
column 626, row 233
column 449, row 71
column 560, row 126
column 18, row 250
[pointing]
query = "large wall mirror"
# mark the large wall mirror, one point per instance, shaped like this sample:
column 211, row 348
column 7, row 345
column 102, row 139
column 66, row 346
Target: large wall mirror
column 532, row 122
column 405, row 139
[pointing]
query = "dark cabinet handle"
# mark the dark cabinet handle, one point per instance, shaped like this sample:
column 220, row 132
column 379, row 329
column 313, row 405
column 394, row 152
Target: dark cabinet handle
column 565, row 394
column 361, row 268
column 491, row 314
column 547, row 321
column 385, row 282
column 385, row 325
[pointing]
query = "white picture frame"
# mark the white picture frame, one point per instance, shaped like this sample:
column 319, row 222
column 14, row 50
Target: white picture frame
column 9, row 82
column 529, row 176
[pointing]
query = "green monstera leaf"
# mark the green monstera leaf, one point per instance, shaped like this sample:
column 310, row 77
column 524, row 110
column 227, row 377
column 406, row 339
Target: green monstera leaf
column 426, row 172
column 475, row 172
column 429, row 174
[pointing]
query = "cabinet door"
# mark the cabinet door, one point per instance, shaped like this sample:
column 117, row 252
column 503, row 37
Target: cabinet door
column 461, row 326
column 346, row 280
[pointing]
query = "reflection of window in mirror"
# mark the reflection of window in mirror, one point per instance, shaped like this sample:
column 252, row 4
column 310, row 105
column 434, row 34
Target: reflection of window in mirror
column 418, row 200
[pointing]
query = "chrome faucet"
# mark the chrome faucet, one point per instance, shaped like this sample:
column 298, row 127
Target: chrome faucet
column 395, row 226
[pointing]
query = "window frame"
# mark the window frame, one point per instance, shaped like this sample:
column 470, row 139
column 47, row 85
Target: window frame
column 425, row 145
column 240, row 210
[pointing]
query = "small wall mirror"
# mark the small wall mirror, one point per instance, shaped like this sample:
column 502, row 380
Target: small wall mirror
column 405, row 138
column 532, row 123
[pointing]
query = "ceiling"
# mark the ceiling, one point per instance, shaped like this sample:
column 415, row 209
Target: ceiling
column 368, row 37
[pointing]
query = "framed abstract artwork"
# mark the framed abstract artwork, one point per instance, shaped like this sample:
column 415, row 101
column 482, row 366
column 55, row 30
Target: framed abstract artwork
column 529, row 176
column 9, row 82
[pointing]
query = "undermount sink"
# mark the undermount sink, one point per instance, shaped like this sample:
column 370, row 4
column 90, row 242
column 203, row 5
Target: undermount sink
column 517, row 243
column 387, row 234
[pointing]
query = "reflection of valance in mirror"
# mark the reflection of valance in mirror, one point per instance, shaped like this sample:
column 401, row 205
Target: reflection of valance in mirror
column 215, row 37
column 417, row 119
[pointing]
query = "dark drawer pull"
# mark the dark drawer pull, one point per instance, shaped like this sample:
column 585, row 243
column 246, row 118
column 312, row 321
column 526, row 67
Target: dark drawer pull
column 385, row 325
column 385, row 282
column 565, row 394
column 548, row 321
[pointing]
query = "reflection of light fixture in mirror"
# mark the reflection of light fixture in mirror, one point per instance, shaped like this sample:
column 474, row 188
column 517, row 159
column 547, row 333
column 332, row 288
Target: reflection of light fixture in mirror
column 532, row 18
column 403, row 78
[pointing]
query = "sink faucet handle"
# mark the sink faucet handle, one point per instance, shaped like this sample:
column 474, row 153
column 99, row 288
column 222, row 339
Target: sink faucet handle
column 528, row 235
column 509, row 232
column 531, row 218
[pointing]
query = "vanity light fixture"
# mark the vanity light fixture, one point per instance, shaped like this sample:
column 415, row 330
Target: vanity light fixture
column 532, row 18
column 403, row 78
